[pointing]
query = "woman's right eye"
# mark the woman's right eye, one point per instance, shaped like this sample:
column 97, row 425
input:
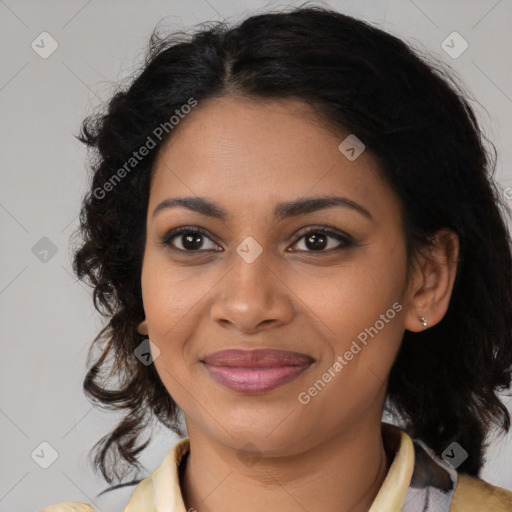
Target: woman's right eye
column 187, row 239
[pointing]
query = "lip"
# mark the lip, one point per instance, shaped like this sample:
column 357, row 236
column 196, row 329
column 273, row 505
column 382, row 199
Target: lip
column 255, row 371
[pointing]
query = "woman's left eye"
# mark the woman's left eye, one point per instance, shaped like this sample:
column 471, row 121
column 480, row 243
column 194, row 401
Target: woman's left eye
column 318, row 240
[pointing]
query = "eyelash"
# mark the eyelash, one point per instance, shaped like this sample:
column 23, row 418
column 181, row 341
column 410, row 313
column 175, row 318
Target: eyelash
column 347, row 242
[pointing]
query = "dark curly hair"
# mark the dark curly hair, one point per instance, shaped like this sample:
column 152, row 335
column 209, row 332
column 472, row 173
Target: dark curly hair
column 414, row 119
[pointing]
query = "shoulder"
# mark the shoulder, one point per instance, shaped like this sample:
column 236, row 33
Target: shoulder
column 68, row 506
column 113, row 498
column 476, row 495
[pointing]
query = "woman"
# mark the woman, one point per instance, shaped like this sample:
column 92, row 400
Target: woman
column 294, row 228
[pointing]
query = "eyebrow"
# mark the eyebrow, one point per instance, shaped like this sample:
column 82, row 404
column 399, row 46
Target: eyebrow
column 281, row 210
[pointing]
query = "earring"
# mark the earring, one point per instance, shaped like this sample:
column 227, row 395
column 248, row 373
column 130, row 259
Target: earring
column 423, row 321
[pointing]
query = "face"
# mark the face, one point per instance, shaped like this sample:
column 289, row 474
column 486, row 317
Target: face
column 323, row 282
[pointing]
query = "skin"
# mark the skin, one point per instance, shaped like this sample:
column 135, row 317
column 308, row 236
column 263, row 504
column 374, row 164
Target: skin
column 248, row 155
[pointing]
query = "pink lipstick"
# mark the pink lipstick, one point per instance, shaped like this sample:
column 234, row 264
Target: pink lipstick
column 255, row 371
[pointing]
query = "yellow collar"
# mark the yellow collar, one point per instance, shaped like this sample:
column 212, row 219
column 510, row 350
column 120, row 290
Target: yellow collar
column 161, row 491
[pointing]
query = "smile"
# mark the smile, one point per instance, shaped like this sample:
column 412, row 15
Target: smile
column 255, row 371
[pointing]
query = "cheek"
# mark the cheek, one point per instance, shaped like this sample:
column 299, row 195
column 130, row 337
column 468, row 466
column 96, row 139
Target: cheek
column 358, row 309
column 170, row 304
column 352, row 377
column 171, row 296
column 350, row 299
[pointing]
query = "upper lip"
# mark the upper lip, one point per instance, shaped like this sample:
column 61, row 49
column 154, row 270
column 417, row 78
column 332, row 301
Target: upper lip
column 260, row 358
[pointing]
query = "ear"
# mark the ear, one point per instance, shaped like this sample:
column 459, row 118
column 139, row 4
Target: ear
column 432, row 281
column 142, row 328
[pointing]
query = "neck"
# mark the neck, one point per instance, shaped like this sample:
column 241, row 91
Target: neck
column 342, row 473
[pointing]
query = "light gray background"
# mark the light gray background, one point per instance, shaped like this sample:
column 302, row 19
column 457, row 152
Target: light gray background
column 47, row 317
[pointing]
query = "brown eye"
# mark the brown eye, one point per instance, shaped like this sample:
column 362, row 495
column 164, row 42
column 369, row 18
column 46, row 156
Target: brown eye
column 320, row 240
column 190, row 239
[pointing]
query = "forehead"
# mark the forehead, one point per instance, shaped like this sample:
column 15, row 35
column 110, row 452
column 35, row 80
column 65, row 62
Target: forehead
column 254, row 151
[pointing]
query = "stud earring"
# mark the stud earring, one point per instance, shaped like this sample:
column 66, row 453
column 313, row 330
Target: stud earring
column 423, row 321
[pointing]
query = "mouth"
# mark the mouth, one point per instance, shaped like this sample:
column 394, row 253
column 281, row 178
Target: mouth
column 255, row 371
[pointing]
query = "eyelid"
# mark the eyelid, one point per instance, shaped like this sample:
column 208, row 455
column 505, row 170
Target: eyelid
column 322, row 229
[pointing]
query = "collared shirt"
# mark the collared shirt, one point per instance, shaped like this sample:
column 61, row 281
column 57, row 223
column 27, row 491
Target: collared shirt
column 417, row 481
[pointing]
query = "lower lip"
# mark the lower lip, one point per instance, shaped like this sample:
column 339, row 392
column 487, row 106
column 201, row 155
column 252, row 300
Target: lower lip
column 254, row 380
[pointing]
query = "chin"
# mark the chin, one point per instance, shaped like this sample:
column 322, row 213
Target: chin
column 261, row 438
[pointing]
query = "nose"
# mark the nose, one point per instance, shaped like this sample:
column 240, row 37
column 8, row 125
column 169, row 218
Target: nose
column 252, row 297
